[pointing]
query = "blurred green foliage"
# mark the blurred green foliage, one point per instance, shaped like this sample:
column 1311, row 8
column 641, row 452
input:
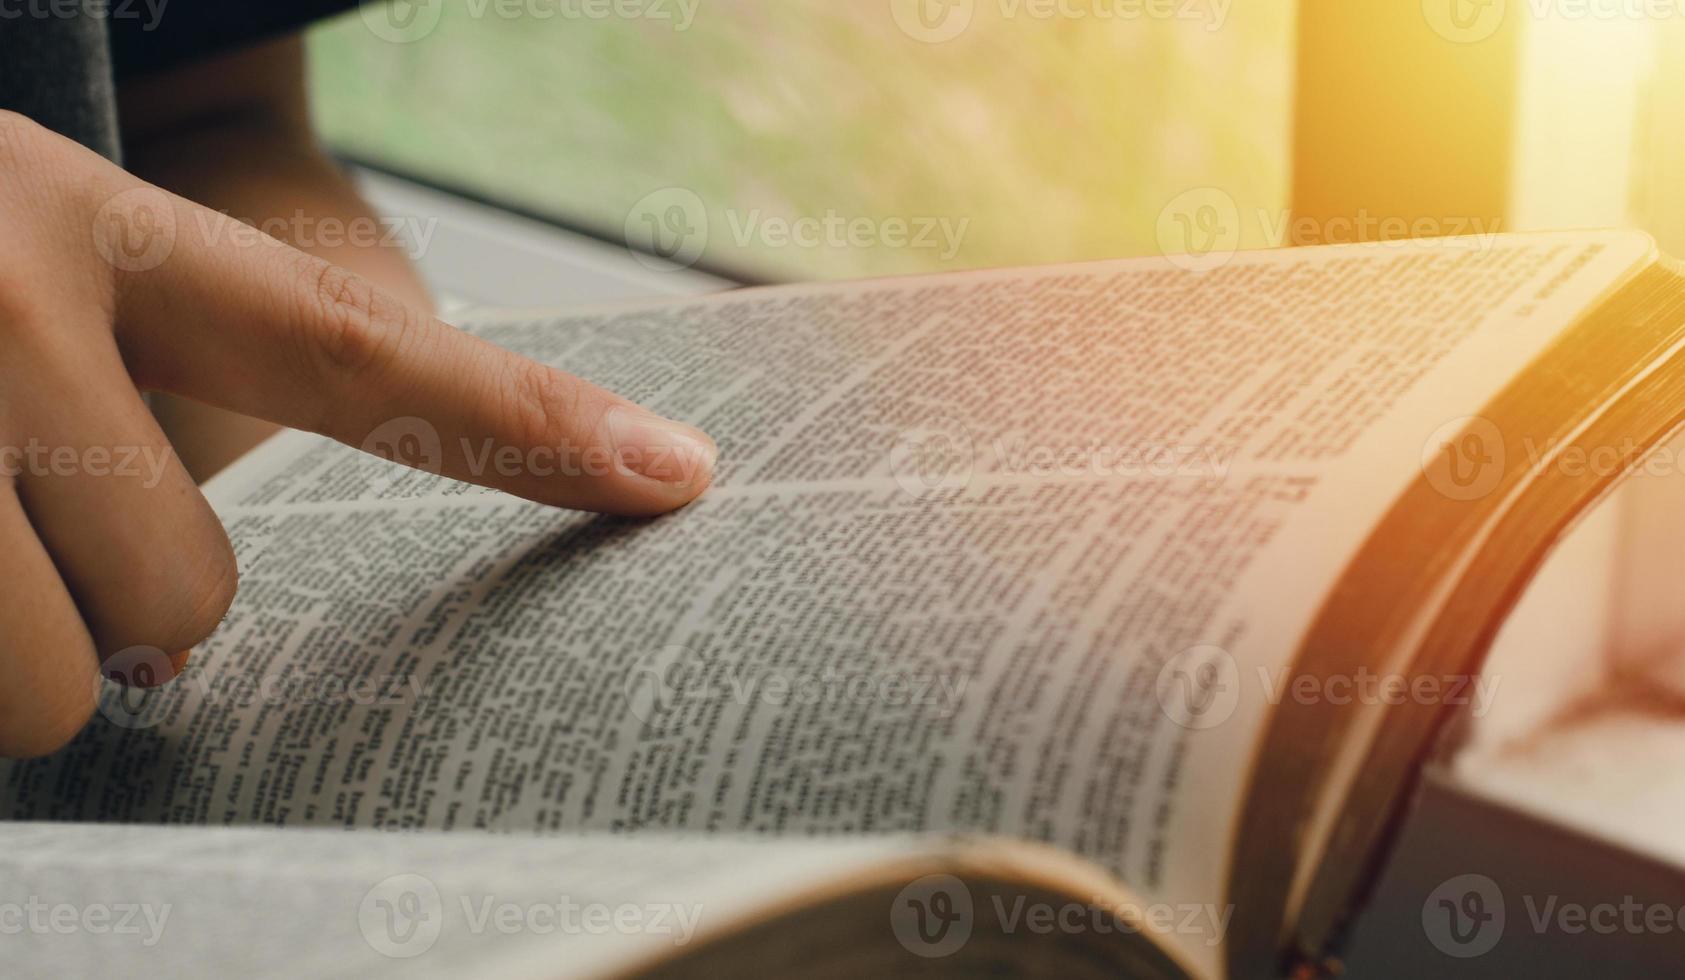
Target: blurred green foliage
column 1050, row 139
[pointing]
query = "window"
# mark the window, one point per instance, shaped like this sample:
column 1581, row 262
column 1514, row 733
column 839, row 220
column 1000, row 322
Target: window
column 805, row 139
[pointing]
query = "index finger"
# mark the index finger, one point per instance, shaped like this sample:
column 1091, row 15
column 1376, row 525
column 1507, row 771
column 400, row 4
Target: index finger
column 237, row 319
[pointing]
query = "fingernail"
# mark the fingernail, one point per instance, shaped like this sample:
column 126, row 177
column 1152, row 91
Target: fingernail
column 660, row 449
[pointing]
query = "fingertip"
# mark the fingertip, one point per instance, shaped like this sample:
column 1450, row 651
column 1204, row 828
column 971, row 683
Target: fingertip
column 675, row 460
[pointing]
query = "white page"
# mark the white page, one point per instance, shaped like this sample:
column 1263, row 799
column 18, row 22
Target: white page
column 78, row 900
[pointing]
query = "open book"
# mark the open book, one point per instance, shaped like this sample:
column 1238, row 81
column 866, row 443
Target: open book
column 1122, row 586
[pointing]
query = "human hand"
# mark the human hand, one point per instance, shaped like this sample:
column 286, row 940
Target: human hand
column 110, row 287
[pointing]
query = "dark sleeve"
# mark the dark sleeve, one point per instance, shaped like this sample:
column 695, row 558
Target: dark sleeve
column 56, row 71
column 183, row 31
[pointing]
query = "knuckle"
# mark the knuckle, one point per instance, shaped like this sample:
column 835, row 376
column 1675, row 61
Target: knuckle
column 349, row 328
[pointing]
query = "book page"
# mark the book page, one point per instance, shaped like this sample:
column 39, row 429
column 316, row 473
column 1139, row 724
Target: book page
column 78, row 900
column 1011, row 552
